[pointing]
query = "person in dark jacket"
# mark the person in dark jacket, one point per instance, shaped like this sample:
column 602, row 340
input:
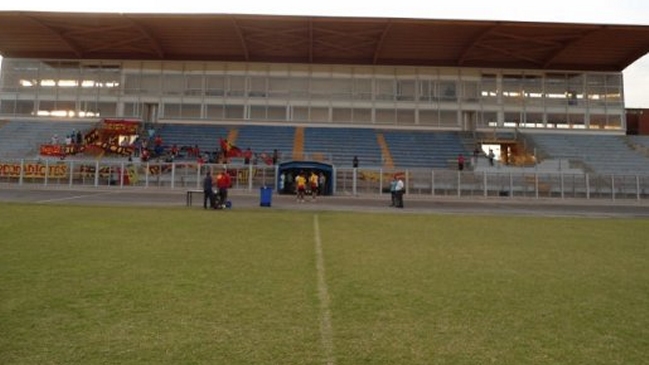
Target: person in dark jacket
column 208, row 191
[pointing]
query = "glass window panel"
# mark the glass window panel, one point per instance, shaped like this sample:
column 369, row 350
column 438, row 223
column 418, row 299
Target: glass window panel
column 150, row 84
column 406, row 90
column 132, row 84
column 424, row 93
column 298, row 88
column 257, row 87
column 214, row 111
column 300, row 113
column 533, row 120
column 489, row 119
column 385, row 89
column 385, row 116
column 194, row 85
column 362, row 115
column 341, row 115
column 448, row 90
column 258, row 112
column 319, row 114
column 429, row 117
column 173, row 84
column 321, row 89
column 106, row 109
column 489, row 89
column 277, row 113
column 341, row 89
column 278, row 87
column 532, row 90
column 470, row 91
column 555, row 89
column 172, row 110
column 215, row 85
column 191, row 111
column 234, row 111
column 405, row 117
column 362, row 89
column 236, row 86
column 512, row 119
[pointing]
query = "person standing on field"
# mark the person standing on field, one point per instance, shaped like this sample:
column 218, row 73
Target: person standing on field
column 208, row 192
column 223, row 182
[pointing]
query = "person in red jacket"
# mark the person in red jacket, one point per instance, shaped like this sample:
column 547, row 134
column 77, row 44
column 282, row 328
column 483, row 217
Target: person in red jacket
column 223, row 182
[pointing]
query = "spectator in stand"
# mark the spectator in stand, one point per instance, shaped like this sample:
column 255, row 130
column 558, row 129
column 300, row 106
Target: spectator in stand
column 247, row 155
column 491, row 157
column 144, row 156
column 174, row 151
column 476, row 155
column 275, row 157
column 460, row 162
column 137, row 147
column 79, row 138
column 355, row 162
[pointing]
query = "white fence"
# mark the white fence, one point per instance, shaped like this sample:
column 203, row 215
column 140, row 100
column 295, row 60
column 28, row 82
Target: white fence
column 346, row 181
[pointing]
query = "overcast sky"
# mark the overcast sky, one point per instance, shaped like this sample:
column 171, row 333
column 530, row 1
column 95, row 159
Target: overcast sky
column 636, row 76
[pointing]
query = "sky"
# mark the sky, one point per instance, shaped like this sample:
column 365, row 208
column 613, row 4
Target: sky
column 635, row 12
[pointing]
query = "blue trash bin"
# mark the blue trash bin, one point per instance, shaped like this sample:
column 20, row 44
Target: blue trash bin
column 265, row 196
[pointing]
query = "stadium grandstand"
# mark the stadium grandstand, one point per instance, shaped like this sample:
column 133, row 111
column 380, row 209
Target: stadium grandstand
column 395, row 93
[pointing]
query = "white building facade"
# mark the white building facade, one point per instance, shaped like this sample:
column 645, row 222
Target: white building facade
column 304, row 94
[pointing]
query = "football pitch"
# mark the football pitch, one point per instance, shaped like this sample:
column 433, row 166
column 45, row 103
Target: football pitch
column 147, row 285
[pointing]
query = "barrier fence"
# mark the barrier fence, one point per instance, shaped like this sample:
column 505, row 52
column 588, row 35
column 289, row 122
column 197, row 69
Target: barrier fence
column 345, row 181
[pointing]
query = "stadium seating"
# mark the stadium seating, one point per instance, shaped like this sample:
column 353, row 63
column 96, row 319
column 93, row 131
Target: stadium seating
column 205, row 136
column 23, row 138
column 430, row 149
column 340, row 145
column 601, row 154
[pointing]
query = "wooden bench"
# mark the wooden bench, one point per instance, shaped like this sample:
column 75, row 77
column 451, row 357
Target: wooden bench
column 190, row 195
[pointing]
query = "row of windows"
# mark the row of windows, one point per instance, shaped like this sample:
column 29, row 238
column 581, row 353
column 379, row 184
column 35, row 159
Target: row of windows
column 467, row 119
column 312, row 93
column 421, row 85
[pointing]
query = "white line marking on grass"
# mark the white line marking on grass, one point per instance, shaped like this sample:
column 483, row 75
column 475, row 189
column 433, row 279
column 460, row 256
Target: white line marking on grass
column 70, row 198
column 326, row 331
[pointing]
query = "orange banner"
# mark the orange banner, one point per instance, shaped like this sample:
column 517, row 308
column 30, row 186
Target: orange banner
column 121, row 126
column 34, row 170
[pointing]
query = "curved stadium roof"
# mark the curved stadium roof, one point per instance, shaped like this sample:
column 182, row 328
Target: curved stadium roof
column 322, row 40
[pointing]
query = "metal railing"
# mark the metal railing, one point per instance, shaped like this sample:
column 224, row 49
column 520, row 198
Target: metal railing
column 346, row 181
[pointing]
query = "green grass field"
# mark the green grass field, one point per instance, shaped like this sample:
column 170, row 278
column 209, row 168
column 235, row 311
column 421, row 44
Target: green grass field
column 116, row 285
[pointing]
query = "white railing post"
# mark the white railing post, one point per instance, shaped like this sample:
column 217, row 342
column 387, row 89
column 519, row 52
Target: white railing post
column 96, row 173
column 47, row 168
column 71, row 171
column 173, row 175
column 432, row 182
column 484, row 184
column 22, row 172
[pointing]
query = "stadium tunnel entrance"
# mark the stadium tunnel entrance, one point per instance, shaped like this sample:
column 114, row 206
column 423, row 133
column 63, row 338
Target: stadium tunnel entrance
column 287, row 171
